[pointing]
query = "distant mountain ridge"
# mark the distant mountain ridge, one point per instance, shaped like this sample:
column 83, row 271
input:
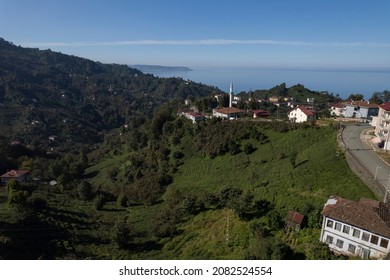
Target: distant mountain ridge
column 159, row 68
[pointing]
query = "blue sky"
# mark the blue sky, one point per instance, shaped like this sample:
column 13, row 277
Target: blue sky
column 330, row 34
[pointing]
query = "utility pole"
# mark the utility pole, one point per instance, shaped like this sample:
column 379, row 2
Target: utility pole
column 376, row 171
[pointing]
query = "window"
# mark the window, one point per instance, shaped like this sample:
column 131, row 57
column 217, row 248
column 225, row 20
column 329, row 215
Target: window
column 329, row 223
column 384, row 243
column 356, row 233
column 374, row 239
column 351, row 248
column 365, row 236
column 329, row 239
column 346, row 229
column 339, row 243
column 337, row 226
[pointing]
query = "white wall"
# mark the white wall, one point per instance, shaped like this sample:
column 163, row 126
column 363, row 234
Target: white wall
column 376, row 251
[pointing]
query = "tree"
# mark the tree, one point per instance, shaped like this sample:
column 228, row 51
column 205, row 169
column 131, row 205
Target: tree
column 84, row 190
column 248, row 148
column 121, row 233
column 376, row 98
column 100, row 200
column 122, row 200
column 356, row 97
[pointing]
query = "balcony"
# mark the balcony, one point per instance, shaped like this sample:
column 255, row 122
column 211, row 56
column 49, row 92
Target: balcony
column 385, row 117
column 382, row 135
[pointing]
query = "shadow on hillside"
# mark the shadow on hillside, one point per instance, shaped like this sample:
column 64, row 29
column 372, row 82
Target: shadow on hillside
column 144, row 246
column 301, row 163
column 91, row 175
column 30, row 239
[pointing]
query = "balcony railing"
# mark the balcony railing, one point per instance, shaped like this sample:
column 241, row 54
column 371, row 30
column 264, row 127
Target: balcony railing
column 382, row 135
column 385, row 117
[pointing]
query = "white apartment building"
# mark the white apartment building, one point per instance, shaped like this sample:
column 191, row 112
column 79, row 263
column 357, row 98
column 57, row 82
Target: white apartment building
column 382, row 125
column 357, row 228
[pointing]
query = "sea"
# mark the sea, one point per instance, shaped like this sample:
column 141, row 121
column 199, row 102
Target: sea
column 338, row 82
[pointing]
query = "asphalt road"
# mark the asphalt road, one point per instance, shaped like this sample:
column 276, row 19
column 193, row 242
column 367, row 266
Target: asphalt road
column 376, row 166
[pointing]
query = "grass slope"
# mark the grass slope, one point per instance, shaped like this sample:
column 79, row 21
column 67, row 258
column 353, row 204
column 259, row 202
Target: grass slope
column 292, row 170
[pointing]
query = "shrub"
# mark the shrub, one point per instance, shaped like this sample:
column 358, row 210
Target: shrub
column 248, row 148
column 37, row 203
column 100, row 201
column 122, row 200
column 121, row 234
column 84, row 190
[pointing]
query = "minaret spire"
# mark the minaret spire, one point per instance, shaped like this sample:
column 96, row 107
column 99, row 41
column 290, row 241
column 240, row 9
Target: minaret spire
column 231, row 94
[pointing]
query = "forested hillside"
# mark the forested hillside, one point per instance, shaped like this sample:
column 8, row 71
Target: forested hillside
column 45, row 93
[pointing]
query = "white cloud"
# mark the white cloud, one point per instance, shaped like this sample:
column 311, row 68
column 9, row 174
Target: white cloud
column 207, row 42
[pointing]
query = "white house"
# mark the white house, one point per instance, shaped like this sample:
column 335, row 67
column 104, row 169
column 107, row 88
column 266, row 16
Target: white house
column 360, row 109
column 356, row 228
column 337, row 110
column 301, row 114
column 192, row 115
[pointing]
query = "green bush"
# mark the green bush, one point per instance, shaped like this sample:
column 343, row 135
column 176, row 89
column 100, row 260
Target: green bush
column 99, row 202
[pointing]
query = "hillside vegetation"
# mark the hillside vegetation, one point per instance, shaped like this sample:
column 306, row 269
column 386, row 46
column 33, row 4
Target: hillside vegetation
column 182, row 199
column 123, row 177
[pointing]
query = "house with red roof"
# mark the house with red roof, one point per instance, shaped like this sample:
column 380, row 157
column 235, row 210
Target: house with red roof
column 302, row 114
column 294, row 220
column 360, row 109
column 228, row 113
column 356, row 228
column 195, row 117
column 17, row 175
column 261, row 114
column 337, row 110
column 383, row 125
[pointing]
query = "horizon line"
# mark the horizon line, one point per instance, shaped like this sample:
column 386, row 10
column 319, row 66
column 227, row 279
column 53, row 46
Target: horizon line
column 207, row 42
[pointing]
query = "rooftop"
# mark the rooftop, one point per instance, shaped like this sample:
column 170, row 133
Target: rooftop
column 368, row 214
column 361, row 104
column 385, row 106
column 295, row 217
column 229, row 110
column 14, row 173
column 307, row 110
column 337, row 105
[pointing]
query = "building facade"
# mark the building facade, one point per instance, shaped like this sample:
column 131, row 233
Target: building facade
column 359, row 229
column 382, row 125
column 337, row 110
column 360, row 109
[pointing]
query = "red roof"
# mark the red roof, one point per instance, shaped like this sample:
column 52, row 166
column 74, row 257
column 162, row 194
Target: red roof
column 194, row 114
column 337, row 105
column 307, row 110
column 295, row 217
column 229, row 110
column 385, row 106
column 14, row 173
column 262, row 113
